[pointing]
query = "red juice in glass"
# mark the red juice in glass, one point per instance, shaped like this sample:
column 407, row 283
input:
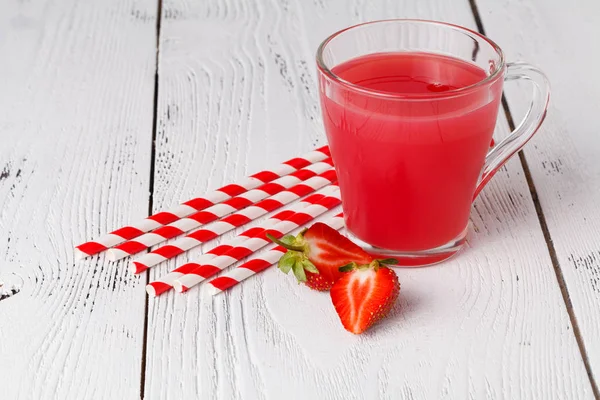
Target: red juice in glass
column 409, row 108
column 408, row 171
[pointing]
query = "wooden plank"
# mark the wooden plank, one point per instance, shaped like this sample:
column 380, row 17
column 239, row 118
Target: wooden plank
column 77, row 82
column 237, row 93
column 563, row 158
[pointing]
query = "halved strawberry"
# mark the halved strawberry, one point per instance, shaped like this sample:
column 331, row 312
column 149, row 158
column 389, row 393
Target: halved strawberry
column 364, row 295
column 317, row 253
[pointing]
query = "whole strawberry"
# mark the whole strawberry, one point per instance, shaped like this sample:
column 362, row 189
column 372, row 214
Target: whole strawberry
column 316, row 254
column 365, row 294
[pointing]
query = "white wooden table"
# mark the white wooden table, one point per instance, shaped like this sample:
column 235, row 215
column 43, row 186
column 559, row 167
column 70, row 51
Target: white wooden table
column 112, row 108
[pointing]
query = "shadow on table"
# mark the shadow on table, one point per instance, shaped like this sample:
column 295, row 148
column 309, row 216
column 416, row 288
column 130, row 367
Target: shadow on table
column 407, row 306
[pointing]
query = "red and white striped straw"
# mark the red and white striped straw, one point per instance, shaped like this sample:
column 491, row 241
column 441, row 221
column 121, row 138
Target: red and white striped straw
column 217, row 264
column 258, row 263
column 217, row 211
column 232, row 221
column 165, row 282
column 200, row 203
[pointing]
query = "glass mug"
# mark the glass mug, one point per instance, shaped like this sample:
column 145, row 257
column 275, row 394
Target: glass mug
column 409, row 109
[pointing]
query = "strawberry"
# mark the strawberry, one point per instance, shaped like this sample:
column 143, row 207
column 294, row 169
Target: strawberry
column 316, row 255
column 365, row 294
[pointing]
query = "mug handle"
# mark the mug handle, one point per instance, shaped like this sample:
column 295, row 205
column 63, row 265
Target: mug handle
column 530, row 124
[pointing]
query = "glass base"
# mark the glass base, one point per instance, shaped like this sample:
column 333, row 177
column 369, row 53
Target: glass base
column 419, row 258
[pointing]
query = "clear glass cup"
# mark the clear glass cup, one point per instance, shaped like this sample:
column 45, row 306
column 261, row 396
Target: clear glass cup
column 410, row 164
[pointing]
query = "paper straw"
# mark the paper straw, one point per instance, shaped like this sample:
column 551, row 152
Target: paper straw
column 217, row 264
column 165, row 283
column 217, row 211
column 190, row 207
column 232, row 221
column 258, row 263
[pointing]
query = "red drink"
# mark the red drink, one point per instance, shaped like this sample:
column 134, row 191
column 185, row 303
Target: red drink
column 409, row 145
column 409, row 108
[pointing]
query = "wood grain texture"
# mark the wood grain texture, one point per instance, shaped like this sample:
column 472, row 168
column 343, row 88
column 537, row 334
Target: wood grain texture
column 237, row 92
column 76, row 103
column 563, row 158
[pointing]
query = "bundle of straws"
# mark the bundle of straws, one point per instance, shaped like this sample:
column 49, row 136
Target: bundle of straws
column 311, row 179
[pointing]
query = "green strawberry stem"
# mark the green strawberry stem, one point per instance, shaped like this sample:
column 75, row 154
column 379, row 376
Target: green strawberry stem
column 375, row 264
column 348, row 267
column 287, row 246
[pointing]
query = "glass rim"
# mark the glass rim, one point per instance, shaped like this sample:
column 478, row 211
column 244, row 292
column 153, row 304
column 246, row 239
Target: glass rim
column 378, row 93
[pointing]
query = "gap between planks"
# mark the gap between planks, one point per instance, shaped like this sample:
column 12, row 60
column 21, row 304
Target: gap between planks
column 542, row 219
column 151, row 198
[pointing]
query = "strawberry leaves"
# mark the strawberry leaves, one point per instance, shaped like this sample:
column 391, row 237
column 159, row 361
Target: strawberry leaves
column 316, row 254
column 287, row 261
column 295, row 262
column 294, row 259
column 289, row 242
column 388, row 261
column 347, row 267
column 375, row 264
column 299, row 273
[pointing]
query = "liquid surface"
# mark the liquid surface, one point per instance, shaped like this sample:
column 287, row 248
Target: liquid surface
column 409, row 73
column 408, row 168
